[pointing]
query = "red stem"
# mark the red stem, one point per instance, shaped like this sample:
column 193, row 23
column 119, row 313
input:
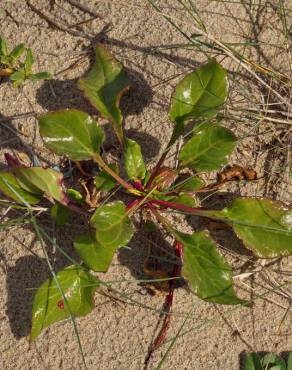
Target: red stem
column 174, row 205
column 132, row 204
column 167, row 305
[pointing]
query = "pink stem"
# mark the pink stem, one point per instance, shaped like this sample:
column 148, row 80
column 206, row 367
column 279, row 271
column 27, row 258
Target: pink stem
column 174, row 205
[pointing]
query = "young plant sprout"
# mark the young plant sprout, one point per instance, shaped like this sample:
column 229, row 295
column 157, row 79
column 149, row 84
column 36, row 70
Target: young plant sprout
column 16, row 70
column 263, row 225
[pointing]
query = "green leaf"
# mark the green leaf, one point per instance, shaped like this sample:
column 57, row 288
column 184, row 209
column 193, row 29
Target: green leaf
column 200, row 94
column 18, row 75
column 3, row 47
column 104, row 181
column 41, row 180
column 134, row 162
column 60, row 214
column 93, row 254
column 17, row 52
column 113, row 227
column 186, row 200
column 29, row 61
column 75, row 195
column 49, row 307
column 207, row 272
column 289, row 363
column 40, row 76
column 264, row 226
column 208, row 149
column 273, row 362
column 252, row 362
column 10, row 187
column 104, row 85
column 71, row 132
column 188, row 184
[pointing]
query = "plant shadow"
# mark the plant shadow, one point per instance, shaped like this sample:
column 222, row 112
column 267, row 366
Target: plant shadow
column 28, row 273
column 149, row 254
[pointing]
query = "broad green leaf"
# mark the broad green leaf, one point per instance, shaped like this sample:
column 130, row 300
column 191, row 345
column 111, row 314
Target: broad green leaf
column 113, row 227
column 41, row 181
column 60, row 214
column 252, row 362
column 207, row 272
column 49, row 307
column 104, row 85
column 104, row 181
column 71, row 132
column 29, row 61
column 93, row 254
column 188, row 184
column 273, row 362
column 134, row 162
column 208, row 149
column 40, row 76
column 264, row 226
column 200, row 94
column 10, row 187
column 3, row 48
column 17, row 52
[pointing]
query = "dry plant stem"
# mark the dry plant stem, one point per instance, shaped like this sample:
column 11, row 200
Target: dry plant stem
column 97, row 159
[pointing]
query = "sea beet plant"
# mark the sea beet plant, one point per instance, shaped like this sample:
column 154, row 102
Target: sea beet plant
column 16, row 70
column 263, row 225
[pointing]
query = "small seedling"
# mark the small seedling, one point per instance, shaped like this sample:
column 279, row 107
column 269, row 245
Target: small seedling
column 17, row 71
column 263, row 225
column 269, row 361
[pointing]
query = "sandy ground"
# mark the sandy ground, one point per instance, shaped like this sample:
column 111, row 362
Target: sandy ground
column 116, row 335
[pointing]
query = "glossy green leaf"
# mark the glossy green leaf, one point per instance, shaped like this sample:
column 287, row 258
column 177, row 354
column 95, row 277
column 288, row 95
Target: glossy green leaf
column 264, row 226
column 71, row 132
column 41, row 181
column 113, row 227
column 11, row 188
column 96, row 256
column 49, row 307
column 188, row 184
column 60, row 214
column 208, row 149
column 207, row 272
column 252, row 362
column 29, row 61
column 104, row 85
column 104, row 181
column 200, row 94
column 134, row 162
